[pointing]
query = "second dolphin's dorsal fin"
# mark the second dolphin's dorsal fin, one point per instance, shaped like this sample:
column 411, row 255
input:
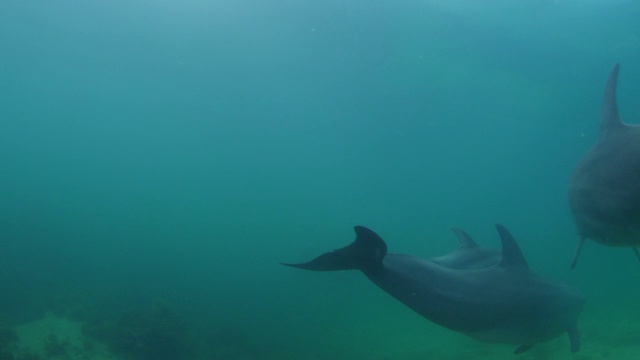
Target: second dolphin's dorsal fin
column 610, row 120
column 466, row 242
column 512, row 257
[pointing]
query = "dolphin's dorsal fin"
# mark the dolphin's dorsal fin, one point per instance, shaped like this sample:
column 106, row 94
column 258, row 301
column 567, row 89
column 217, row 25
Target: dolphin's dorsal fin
column 466, row 241
column 610, row 119
column 512, row 257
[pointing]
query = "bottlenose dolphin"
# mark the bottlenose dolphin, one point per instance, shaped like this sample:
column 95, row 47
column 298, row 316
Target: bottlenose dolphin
column 469, row 255
column 604, row 192
column 503, row 303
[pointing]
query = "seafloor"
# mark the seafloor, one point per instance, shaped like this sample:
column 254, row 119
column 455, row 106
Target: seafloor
column 606, row 334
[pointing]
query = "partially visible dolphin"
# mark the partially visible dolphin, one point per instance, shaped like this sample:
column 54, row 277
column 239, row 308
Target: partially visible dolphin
column 469, row 255
column 604, row 192
column 503, row 303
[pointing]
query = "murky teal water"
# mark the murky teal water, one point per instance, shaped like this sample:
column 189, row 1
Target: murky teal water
column 160, row 158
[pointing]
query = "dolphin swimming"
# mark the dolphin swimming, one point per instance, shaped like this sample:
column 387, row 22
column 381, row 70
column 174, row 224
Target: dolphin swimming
column 497, row 300
column 604, row 191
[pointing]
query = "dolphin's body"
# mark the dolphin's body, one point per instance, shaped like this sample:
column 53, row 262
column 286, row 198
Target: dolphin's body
column 502, row 303
column 604, row 192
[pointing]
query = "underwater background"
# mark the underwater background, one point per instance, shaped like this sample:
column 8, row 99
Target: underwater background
column 160, row 158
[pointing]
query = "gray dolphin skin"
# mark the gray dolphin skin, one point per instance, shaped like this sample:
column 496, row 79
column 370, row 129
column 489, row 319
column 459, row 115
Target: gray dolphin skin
column 604, row 191
column 501, row 303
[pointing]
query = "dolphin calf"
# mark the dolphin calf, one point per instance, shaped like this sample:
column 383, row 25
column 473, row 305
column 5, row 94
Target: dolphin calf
column 501, row 303
column 604, row 191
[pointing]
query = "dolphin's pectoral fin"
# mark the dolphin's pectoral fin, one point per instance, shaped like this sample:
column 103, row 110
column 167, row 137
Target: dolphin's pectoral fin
column 635, row 250
column 574, row 338
column 522, row 349
column 577, row 252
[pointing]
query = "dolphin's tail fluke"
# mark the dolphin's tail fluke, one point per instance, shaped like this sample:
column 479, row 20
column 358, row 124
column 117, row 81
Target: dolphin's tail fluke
column 365, row 253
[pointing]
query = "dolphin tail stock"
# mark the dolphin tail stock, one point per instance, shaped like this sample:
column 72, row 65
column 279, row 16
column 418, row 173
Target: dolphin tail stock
column 577, row 252
column 365, row 253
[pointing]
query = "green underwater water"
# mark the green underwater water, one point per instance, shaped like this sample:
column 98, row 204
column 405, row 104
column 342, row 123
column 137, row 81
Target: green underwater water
column 161, row 158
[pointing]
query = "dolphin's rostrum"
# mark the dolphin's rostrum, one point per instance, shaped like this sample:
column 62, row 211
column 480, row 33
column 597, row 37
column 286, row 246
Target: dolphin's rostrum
column 472, row 291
